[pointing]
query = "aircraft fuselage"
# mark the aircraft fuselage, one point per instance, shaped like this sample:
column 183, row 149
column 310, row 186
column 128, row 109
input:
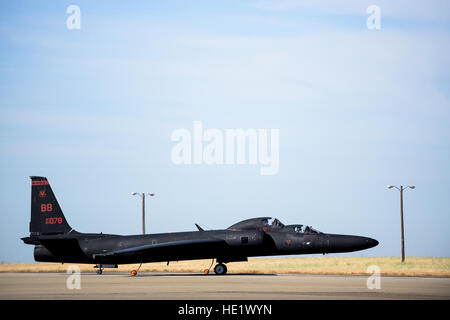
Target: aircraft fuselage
column 84, row 248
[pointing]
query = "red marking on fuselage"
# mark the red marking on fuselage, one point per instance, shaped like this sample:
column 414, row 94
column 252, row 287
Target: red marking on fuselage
column 39, row 183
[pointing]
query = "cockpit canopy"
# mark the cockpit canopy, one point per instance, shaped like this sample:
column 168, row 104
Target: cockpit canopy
column 274, row 224
column 299, row 228
column 255, row 223
column 269, row 223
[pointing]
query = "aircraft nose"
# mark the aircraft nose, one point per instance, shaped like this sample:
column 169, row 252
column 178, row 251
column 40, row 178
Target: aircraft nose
column 371, row 243
column 344, row 243
column 361, row 243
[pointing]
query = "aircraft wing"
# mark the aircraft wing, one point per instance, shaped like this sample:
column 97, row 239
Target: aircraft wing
column 166, row 247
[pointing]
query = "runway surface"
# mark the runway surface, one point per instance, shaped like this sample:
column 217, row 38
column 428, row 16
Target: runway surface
column 180, row 286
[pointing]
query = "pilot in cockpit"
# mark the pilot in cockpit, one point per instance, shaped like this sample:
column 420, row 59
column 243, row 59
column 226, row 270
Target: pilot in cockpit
column 277, row 223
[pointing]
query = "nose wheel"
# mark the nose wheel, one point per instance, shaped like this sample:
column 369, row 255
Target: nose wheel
column 220, row 269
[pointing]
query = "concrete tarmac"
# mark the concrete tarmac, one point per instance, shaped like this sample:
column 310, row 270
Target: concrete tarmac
column 181, row 286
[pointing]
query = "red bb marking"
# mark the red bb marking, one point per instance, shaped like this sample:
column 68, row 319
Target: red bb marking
column 46, row 207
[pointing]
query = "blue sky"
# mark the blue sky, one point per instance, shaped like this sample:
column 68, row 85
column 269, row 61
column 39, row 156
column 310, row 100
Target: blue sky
column 357, row 109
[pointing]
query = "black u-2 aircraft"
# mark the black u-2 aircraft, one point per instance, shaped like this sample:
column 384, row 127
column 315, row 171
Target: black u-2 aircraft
column 56, row 241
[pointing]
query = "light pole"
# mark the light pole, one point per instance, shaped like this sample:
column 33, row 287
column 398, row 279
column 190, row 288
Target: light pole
column 401, row 214
column 142, row 195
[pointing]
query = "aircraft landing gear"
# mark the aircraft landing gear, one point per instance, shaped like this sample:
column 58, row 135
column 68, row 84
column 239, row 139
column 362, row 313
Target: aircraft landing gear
column 220, row 269
column 100, row 269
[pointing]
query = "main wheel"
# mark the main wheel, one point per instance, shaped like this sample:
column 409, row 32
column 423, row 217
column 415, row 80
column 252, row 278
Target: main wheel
column 220, row 269
column 99, row 271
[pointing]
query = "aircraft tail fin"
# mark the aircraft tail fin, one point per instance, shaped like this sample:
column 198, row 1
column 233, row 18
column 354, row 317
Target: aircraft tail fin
column 46, row 214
